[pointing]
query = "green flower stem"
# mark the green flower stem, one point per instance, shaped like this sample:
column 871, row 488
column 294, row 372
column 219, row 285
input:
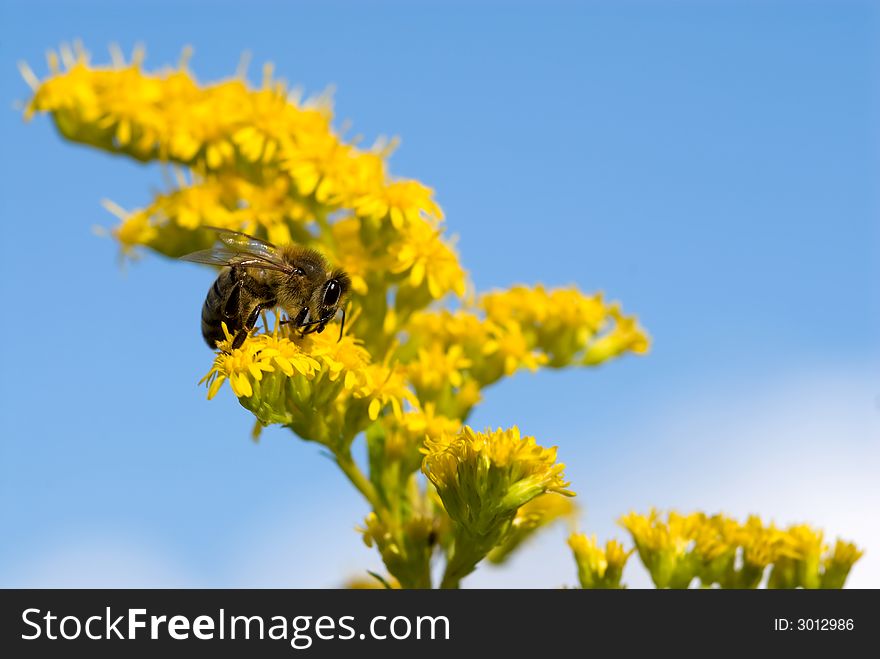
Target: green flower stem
column 359, row 480
column 466, row 553
column 461, row 564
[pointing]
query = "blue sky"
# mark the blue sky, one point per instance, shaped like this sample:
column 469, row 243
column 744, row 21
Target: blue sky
column 713, row 165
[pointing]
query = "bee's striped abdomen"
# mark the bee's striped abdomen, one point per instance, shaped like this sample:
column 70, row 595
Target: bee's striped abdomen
column 217, row 308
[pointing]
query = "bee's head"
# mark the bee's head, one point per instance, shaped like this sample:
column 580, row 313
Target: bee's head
column 333, row 293
column 325, row 302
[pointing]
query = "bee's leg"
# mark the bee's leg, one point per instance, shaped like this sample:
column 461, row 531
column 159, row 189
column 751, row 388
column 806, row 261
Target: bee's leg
column 341, row 326
column 230, row 307
column 299, row 320
column 318, row 325
column 250, row 321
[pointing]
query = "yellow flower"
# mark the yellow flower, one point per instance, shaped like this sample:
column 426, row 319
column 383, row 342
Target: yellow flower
column 422, row 423
column 206, row 202
column 566, row 324
column 287, row 356
column 436, row 367
column 241, row 366
column 325, row 390
column 404, row 202
column 406, row 549
column 838, row 564
column 800, row 560
column 734, row 555
column 387, row 386
column 484, row 477
column 762, row 545
column 402, row 438
column 270, row 205
column 598, row 568
column 321, row 166
column 510, row 346
column 665, row 548
column 350, row 253
column 625, row 335
column 136, row 229
column 449, row 328
column 467, row 397
column 344, row 359
column 428, row 260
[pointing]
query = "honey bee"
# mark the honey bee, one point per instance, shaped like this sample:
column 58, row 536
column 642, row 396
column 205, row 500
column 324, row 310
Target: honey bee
column 258, row 276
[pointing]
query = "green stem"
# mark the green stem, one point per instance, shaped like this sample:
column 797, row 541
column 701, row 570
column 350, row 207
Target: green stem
column 359, row 480
column 464, row 559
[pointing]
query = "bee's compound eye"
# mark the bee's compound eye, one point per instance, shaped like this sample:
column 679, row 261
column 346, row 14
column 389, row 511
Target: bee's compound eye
column 299, row 272
column 331, row 293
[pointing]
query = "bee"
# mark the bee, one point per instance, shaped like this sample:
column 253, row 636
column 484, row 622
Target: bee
column 257, row 276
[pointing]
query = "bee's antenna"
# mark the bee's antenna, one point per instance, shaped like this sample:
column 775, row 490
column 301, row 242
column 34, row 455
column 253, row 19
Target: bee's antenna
column 341, row 326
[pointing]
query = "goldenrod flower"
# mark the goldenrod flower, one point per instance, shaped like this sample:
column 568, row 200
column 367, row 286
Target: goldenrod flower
column 449, row 328
column 325, row 389
column 344, row 359
column 350, row 253
column 665, row 548
column 406, row 549
column 386, row 386
column 625, row 336
column 512, row 349
column 426, row 259
column 483, row 478
column 725, row 552
column 402, row 202
column 406, row 435
column 529, row 328
column 598, row 568
column 436, row 369
column 136, row 229
column 172, row 223
column 241, row 367
column 800, row 562
column 837, row 565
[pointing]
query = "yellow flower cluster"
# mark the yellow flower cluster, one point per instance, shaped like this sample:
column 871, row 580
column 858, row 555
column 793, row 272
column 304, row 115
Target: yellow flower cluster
column 598, row 568
column 285, row 380
column 567, row 326
column 264, row 163
column 171, row 224
column 408, row 372
column 451, row 355
column 483, row 479
column 406, row 549
column 718, row 550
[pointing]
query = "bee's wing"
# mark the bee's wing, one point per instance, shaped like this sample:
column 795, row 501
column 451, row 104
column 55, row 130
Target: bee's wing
column 242, row 250
column 222, row 256
column 242, row 242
